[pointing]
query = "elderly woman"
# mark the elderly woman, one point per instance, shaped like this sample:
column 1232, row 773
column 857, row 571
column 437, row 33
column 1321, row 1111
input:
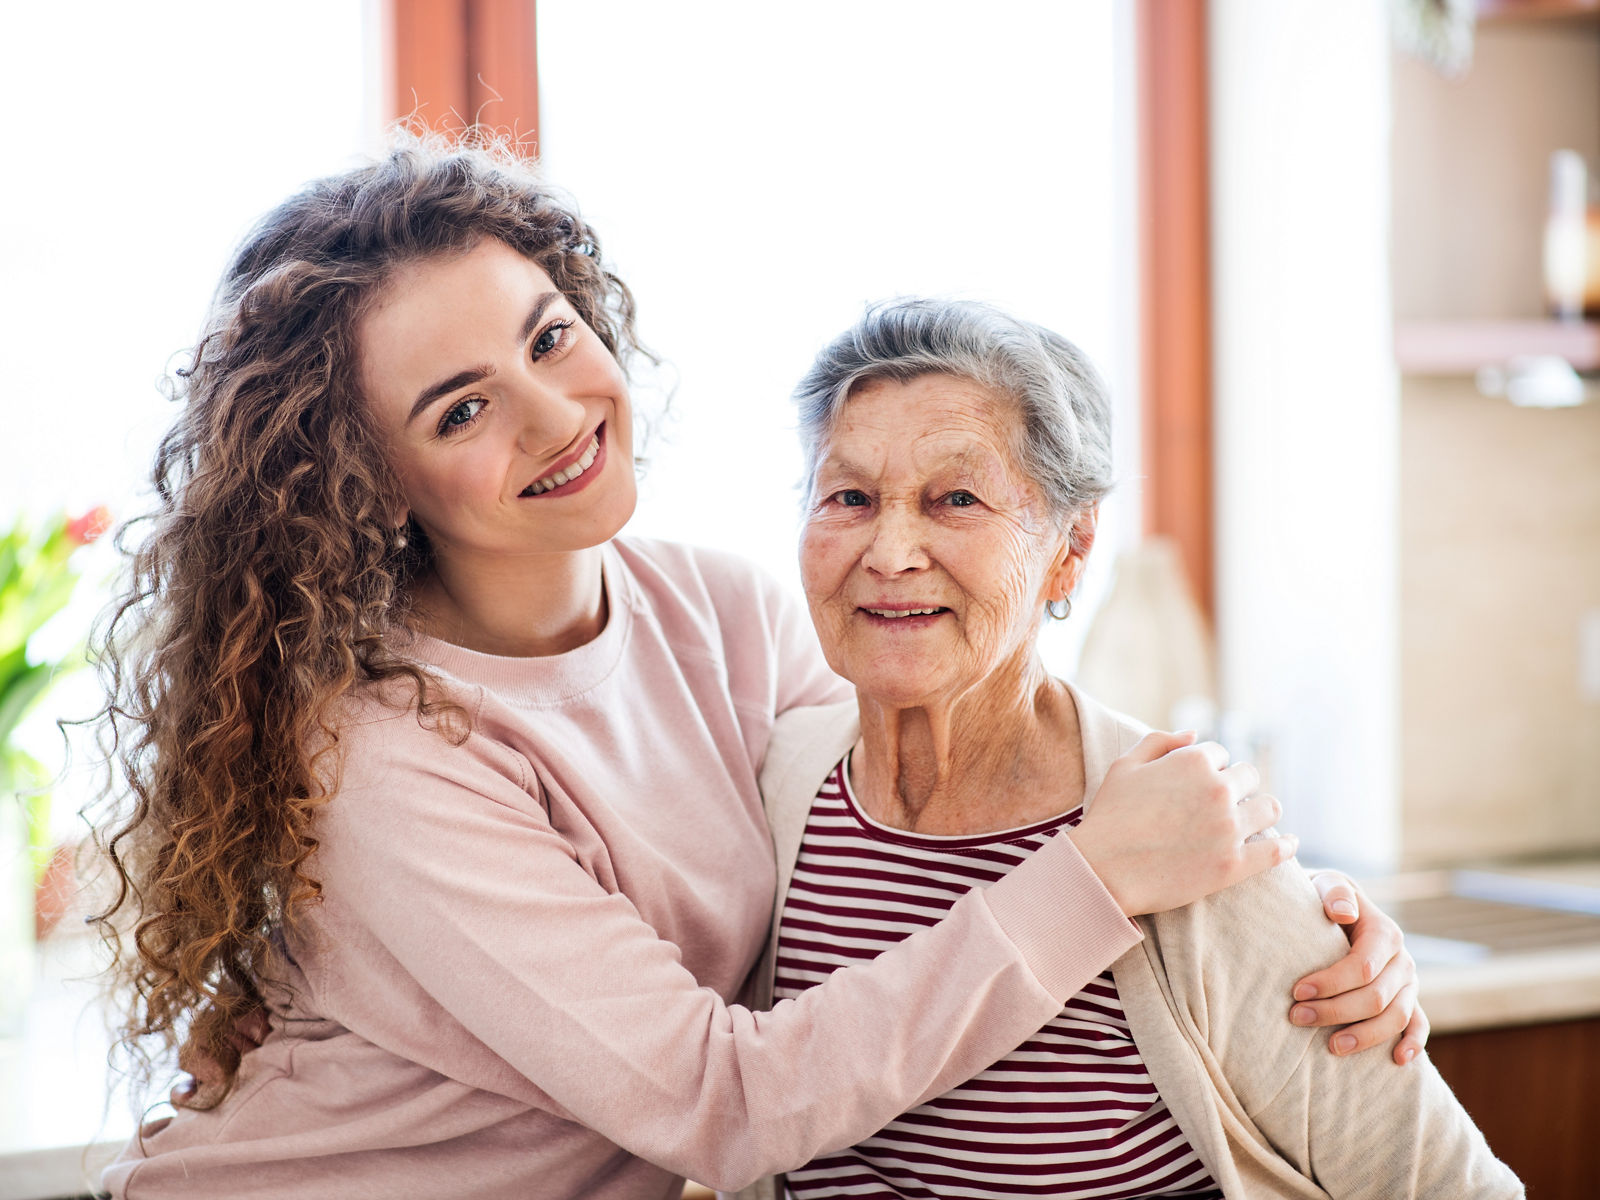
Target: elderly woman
column 956, row 461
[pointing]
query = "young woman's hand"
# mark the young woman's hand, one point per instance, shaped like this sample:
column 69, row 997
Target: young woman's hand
column 1373, row 989
column 1173, row 821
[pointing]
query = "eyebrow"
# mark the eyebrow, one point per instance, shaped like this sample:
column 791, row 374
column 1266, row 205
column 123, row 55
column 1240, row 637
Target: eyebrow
column 975, row 463
column 472, row 375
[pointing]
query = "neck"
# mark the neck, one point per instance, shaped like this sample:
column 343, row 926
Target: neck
column 518, row 607
column 1005, row 753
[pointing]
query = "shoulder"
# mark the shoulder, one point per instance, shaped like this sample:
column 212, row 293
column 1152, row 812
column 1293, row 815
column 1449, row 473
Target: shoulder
column 1271, row 923
column 1117, row 730
column 1231, row 961
column 386, row 752
column 806, row 743
column 717, row 576
column 710, row 600
column 800, row 730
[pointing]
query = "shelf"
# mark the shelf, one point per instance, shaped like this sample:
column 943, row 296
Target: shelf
column 1461, row 347
column 1498, row 11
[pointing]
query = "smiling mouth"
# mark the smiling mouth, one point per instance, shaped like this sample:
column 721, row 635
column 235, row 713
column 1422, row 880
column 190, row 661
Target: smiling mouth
column 568, row 474
column 900, row 614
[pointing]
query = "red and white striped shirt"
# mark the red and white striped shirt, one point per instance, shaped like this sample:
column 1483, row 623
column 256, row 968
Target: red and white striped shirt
column 1072, row 1112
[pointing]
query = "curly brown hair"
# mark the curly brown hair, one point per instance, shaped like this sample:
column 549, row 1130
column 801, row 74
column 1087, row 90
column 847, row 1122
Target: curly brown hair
column 268, row 579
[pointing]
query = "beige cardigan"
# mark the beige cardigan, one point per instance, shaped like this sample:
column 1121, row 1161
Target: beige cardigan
column 1267, row 1108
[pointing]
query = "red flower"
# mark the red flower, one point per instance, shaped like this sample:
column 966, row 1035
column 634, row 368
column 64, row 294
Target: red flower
column 83, row 530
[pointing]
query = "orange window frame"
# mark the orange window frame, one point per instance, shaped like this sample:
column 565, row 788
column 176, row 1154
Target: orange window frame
column 453, row 63
column 1175, row 356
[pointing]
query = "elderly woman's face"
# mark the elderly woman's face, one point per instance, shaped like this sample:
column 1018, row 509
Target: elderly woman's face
column 927, row 554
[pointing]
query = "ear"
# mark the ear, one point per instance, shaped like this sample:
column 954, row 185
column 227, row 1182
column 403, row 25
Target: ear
column 1068, row 568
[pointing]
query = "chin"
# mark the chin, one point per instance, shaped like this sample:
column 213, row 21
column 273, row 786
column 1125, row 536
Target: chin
column 898, row 692
column 613, row 516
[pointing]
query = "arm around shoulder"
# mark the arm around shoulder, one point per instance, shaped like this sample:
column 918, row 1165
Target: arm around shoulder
column 449, row 863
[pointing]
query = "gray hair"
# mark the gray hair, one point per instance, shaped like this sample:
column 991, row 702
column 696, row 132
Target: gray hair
column 1065, row 443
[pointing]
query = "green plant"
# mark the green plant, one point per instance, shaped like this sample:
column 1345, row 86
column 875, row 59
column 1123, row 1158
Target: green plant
column 37, row 578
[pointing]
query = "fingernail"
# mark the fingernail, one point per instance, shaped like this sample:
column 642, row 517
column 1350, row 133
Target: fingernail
column 1344, row 1043
column 1305, row 991
column 1408, row 1053
column 1344, row 908
column 1301, row 1015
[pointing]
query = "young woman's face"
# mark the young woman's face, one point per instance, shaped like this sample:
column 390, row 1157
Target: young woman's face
column 506, row 418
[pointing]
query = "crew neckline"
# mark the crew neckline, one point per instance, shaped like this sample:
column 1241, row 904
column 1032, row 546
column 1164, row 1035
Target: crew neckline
column 545, row 679
column 1094, row 770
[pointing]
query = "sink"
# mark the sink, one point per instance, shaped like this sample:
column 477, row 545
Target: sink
column 1471, row 915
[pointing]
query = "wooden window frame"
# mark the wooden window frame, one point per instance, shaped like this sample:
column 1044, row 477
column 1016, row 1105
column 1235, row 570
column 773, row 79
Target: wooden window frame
column 454, row 63
column 1175, row 355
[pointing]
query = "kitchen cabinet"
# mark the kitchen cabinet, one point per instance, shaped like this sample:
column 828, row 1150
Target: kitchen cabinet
column 1509, row 972
column 1462, row 346
column 1534, row 1090
column 1430, row 342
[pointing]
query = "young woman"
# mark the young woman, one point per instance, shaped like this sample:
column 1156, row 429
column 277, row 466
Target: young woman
column 461, row 787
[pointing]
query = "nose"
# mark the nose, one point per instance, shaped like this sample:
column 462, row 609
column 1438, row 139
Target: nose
column 896, row 545
column 547, row 419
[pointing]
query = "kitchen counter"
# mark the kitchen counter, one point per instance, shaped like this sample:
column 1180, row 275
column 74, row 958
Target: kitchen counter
column 1467, row 981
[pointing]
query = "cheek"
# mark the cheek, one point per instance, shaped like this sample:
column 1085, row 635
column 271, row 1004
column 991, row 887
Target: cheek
column 434, row 488
column 825, row 558
column 1006, row 571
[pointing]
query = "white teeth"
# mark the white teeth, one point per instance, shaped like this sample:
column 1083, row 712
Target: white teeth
column 571, row 473
column 902, row 612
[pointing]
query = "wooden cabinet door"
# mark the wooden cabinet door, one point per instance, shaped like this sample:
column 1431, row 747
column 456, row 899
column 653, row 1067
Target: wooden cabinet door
column 1534, row 1090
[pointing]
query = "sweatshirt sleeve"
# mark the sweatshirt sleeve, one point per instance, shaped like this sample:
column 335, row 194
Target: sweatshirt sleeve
column 433, row 855
column 1358, row 1125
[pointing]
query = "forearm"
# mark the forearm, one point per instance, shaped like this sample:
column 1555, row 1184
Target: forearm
column 770, row 1091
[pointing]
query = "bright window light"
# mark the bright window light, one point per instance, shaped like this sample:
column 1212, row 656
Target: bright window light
column 758, row 173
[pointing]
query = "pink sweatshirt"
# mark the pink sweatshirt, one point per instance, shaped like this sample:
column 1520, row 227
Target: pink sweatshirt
column 521, row 979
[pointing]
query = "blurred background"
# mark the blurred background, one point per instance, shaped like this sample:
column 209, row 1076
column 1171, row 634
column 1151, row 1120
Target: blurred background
column 1338, row 259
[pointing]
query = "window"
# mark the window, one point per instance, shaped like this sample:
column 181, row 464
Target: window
column 758, row 173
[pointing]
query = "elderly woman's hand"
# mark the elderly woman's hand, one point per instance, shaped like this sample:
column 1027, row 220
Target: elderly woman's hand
column 1373, row 989
column 1172, row 823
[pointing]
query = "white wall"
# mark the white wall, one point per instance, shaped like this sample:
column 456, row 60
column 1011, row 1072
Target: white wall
column 144, row 140
column 1307, row 410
